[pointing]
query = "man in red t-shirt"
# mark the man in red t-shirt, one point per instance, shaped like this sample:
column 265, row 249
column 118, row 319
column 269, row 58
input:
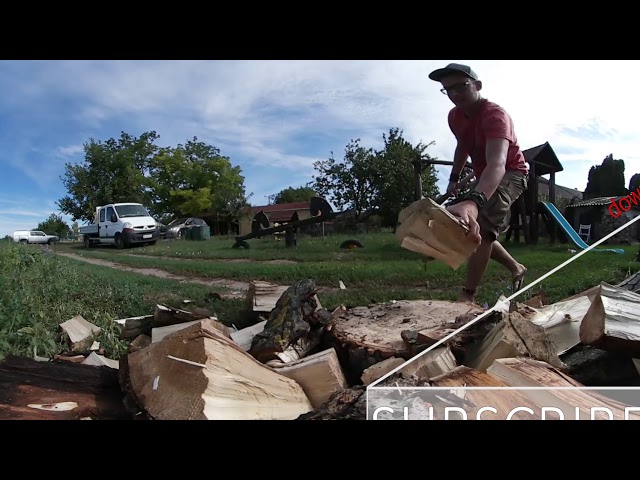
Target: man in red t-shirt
column 485, row 133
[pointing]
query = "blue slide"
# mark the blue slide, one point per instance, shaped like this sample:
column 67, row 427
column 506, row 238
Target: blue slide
column 571, row 233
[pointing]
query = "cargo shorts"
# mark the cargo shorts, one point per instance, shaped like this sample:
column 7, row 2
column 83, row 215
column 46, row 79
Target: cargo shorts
column 494, row 217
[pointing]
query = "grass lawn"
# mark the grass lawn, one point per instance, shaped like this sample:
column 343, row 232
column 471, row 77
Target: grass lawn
column 38, row 292
column 380, row 271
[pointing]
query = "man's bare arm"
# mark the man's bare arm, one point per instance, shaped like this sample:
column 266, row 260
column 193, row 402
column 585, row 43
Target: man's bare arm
column 460, row 157
column 496, row 154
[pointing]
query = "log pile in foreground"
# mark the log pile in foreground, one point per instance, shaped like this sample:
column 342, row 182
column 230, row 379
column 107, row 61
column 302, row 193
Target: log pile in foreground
column 301, row 361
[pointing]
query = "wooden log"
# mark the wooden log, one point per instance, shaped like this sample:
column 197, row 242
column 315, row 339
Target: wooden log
column 67, row 358
column 364, row 336
column 347, row 404
column 572, row 404
column 613, row 321
column 560, row 320
column 432, row 364
column 131, row 327
column 99, row 360
column 294, row 326
column 427, row 228
column 380, row 369
column 445, row 397
column 514, row 336
column 138, row 343
column 158, row 333
column 198, row 373
column 245, row 336
column 79, row 333
column 320, row 375
column 165, row 316
column 263, row 296
column 58, row 390
column 471, row 401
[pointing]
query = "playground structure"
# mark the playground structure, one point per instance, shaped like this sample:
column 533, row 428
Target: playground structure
column 320, row 211
column 571, row 233
column 531, row 208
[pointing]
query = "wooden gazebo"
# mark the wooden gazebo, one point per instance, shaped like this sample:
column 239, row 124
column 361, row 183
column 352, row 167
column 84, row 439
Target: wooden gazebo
column 526, row 212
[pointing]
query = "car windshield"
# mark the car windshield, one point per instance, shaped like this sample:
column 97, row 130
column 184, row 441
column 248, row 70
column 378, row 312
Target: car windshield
column 178, row 221
column 125, row 211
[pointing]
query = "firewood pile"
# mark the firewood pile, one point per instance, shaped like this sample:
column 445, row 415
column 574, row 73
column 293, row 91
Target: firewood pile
column 302, row 361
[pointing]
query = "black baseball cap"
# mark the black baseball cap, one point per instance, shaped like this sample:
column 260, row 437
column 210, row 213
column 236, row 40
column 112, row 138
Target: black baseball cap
column 438, row 74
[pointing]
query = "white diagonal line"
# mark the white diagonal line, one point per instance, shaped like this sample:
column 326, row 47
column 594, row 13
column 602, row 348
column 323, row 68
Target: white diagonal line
column 492, row 309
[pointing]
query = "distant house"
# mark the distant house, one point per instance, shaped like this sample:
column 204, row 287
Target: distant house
column 276, row 213
column 564, row 195
column 595, row 212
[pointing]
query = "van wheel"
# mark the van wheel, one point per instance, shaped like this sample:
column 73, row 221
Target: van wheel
column 87, row 242
column 119, row 242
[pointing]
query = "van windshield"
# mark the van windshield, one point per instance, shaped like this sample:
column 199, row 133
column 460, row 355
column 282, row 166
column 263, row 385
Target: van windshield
column 125, row 211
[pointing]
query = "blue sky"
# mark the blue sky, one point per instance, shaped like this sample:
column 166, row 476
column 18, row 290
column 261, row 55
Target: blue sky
column 275, row 118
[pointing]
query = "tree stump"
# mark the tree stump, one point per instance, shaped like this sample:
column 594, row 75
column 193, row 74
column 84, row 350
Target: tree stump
column 364, row 336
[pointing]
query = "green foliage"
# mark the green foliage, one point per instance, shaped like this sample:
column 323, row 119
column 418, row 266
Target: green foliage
column 113, row 171
column 54, row 225
column 190, row 179
column 194, row 179
column 291, row 195
column 31, row 287
column 606, row 179
column 40, row 291
column 634, row 183
column 375, row 182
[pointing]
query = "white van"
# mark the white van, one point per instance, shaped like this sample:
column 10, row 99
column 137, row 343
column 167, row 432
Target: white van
column 120, row 224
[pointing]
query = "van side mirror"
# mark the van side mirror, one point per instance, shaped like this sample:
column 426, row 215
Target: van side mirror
column 114, row 218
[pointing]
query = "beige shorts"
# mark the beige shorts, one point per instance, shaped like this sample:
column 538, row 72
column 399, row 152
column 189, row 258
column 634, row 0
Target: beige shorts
column 493, row 218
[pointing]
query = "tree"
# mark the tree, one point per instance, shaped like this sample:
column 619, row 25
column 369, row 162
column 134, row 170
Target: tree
column 54, row 225
column 190, row 179
column 395, row 185
column 376, row 182
column 290, row 195
column 113, row 171
column 75, row 229
column 195, row 178
column 634, row 183
column 348, row 184
column 607, row 179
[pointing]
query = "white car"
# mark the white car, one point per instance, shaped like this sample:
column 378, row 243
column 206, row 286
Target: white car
column 34, row 236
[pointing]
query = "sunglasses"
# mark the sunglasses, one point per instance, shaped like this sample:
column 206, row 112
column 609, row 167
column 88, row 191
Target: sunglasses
column 458, row 88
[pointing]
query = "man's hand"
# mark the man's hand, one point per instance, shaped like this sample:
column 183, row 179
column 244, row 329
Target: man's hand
column 452, row 188
column 468, row 213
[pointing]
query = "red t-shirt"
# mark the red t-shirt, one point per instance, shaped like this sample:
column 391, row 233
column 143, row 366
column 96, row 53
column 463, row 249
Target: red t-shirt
column 490, row 121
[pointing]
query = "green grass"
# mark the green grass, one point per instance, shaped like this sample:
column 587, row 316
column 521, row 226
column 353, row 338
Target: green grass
column 38, row 292
column 380, row 271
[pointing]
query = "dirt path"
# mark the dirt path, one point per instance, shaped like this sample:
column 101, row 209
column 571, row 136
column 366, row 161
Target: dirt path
column 224, row 260
column 237, row 289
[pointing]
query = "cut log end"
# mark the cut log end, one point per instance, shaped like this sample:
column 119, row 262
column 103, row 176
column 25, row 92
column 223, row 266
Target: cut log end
column 365, row 336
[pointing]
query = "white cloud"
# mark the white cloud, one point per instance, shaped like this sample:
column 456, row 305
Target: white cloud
column 260, row 112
